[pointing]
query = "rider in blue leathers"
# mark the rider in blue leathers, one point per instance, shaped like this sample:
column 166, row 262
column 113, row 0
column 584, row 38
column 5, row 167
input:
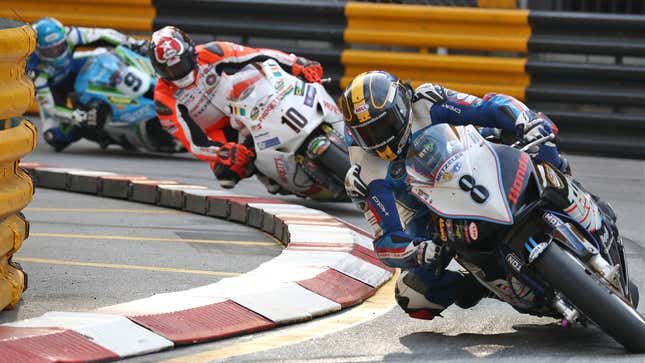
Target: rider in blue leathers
column 383, row 116
column 53, row 69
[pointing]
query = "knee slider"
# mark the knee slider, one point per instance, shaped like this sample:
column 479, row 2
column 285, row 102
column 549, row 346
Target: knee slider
column 410, row 294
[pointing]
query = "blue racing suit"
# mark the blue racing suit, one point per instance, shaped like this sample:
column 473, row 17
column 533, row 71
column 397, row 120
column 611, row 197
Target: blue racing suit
column 398, row 219
column 55, row 80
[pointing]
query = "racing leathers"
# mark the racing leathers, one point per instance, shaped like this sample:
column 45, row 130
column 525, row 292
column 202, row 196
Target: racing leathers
column 197, row 114
column 55, row 80
column 402, row 224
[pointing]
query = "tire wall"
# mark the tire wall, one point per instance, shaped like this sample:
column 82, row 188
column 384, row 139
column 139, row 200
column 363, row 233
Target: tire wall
column 17, row 139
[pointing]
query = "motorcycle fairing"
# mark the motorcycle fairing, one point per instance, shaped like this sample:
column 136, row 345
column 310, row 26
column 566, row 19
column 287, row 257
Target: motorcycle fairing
column 279, row 111
column 103, row 78
column 461, row 177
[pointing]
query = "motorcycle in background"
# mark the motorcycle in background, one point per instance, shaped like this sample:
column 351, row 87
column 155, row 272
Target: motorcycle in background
column 117, row 87
column 295, row 127
column 496, row 217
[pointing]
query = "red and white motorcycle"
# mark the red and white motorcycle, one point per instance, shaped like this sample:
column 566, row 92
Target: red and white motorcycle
column 295, row 127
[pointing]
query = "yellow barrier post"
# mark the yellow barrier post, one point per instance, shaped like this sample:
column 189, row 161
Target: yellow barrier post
column 17, row 41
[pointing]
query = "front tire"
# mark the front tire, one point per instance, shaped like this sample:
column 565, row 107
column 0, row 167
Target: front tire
column 591, row 297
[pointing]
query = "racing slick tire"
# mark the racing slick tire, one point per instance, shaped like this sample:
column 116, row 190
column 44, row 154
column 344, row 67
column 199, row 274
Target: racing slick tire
column 589, row 294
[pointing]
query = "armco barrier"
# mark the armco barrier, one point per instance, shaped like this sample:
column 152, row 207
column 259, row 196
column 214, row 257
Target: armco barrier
column 581, row 66
column 327, row 265
column 17, row 139
column 127, row 15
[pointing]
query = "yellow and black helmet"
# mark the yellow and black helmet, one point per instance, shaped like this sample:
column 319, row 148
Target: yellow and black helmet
column 376, row 106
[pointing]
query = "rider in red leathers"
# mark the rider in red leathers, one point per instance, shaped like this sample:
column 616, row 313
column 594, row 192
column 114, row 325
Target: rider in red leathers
column 191, row 109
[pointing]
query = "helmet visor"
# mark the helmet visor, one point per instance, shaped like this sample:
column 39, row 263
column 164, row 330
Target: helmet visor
column 178, row 70
column 53, row 51
column 384, row 128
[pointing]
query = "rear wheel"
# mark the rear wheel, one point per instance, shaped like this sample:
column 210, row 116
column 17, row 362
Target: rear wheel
column 592, row 297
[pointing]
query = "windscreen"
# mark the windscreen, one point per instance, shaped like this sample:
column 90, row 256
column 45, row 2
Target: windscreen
column 435, row 155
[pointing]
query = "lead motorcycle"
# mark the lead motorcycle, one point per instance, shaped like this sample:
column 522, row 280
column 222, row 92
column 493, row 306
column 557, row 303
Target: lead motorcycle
column 116, row 86
column 496, row 217
column 294, row 127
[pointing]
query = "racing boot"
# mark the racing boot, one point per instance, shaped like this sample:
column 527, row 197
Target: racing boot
column 422, row 295
column 61, row 137
column 568, row 195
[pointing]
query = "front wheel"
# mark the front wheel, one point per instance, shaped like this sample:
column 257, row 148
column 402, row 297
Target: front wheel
column 592, row 297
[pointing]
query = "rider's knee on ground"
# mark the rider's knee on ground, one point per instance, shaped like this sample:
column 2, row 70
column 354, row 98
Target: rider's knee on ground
column 422, row 295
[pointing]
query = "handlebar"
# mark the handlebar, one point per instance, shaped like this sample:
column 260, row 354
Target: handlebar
column 536, row 142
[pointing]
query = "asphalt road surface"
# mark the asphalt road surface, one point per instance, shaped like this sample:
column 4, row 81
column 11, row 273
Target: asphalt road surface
column 376, row 330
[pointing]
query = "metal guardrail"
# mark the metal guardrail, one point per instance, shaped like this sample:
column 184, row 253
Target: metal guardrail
column 129, row 15
column 16, row 141
column 574, row 66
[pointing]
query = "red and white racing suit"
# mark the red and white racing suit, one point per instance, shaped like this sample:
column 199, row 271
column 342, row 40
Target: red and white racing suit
column 196, row 115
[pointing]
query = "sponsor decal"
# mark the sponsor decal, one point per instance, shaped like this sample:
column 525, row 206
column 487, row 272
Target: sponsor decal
column 520, row 175
column 318, row 145
column 168, row 50
column 211, row 79
column 238, row 111
column 257, row 127
column 473, row 232
column 279, row 84
column 360, row 108
column 281, row 169
column 275, row 102
column 268, row 143
column 552, row 220
column 537, row 251
column 442, row 230
column 52, row 37
column 422, row 194
column 263, row 134
column 514, row 262
column 451, row 108
column 444, row 173
column 124, row 100
column 458, row 232
column 449, row 230
column 310, row 95
column 553, row 178
column 277, row 72
column 255, row 113
column 380, row 206
column 298, row 90
column 247, row 91
column 331, row 107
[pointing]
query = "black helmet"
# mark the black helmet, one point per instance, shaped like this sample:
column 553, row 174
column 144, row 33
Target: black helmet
column 173, row 56
column 376, row 106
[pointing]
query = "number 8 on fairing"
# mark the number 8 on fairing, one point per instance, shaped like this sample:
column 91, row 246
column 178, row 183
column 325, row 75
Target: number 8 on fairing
column 294, row 119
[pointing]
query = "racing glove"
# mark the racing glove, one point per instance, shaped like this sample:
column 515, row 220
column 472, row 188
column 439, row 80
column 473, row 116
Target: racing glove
column 531, row 126
column 312, row 71
column 234, row 162
column 139, row 46
column 355, row 187
column 427, row 252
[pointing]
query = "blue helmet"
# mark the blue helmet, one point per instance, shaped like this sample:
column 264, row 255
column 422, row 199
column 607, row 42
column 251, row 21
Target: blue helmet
column 52, row 45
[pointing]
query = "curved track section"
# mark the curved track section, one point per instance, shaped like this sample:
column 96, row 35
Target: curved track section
column 491, row 329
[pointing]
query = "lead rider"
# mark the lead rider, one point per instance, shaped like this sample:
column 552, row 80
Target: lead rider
column 383, row 117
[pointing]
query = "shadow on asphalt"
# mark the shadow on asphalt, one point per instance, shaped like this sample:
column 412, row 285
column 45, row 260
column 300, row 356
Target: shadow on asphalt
column 534, row 340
